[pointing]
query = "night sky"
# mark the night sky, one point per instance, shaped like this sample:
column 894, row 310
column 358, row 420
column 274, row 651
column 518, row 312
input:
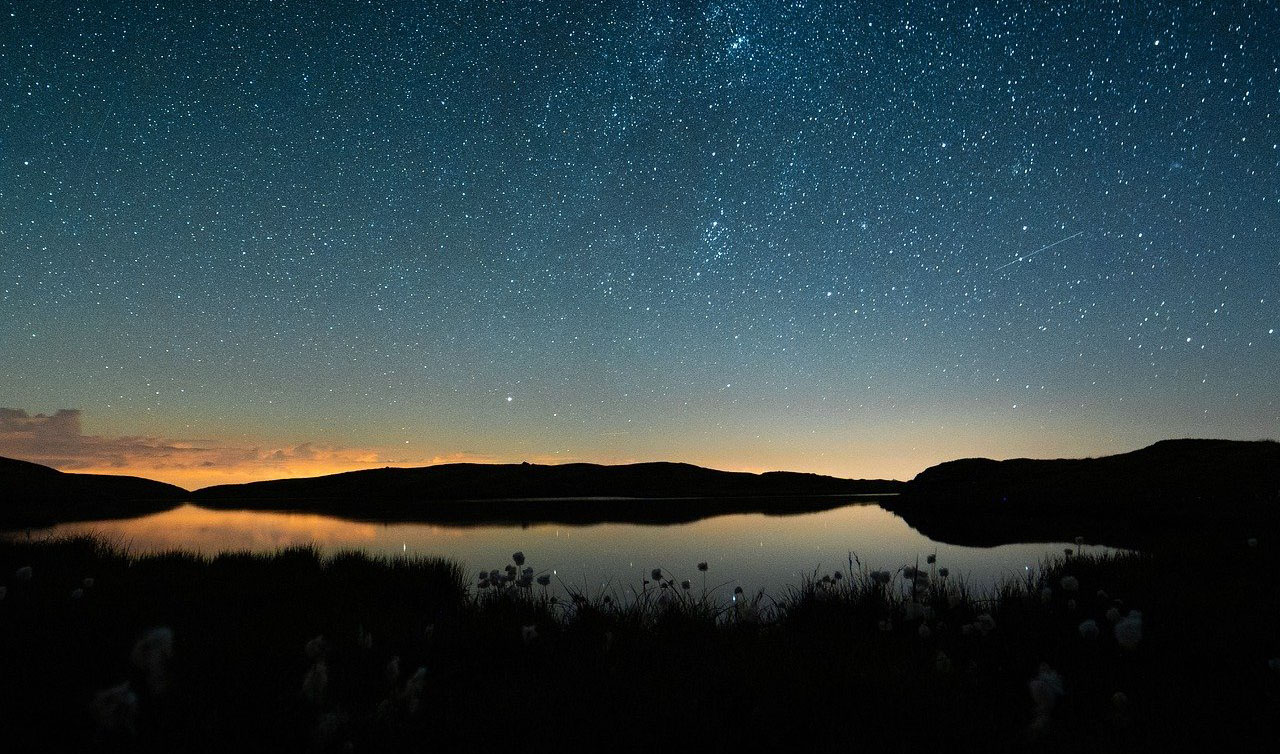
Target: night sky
column 292, row 237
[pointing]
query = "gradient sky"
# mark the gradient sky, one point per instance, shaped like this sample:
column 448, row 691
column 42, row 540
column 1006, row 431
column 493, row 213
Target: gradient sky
column 279, row 238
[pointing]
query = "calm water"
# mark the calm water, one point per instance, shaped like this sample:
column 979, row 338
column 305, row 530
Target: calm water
column 748, row 550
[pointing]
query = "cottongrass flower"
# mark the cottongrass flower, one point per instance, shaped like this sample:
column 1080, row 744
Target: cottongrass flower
column 924, row 632
column 944, row 572
column 151, row 654
column 931, row 559
column 1069, row 584
column 1274, row 664
column 985, row 623
column 881, row 577
column 1120, row 701
column 364, row 639
column 968, row 629
column 703, row 566
column 77, row 593
column 1128, row 632
column 1079, row 541
column 88, row 582
column 315, row 682
column 1068, row 552
column 911, row 611
column 315, row 647
column 942, row 663
column 544, row 579
column 23, row 574
column 1089, row 629
column 528, row 633
column 1046, row 689
column 1252, row 541
column 1046, row 594
column 685, row 585
column 1102, row 596
column 411, row 696
column 1071, row 605
column 518, row 558
column 885, row 625
column 1113, row 615
column 114, row 710
column 392, row 670
column 837, row 576
column 656, row 574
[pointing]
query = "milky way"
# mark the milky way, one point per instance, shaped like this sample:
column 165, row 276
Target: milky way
column 811, row 235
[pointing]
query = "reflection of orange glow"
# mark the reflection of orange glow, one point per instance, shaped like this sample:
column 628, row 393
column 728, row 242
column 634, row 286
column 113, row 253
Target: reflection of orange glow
column 210, row 531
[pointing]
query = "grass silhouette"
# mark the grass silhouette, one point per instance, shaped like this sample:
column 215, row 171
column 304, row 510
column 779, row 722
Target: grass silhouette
column 102, row 649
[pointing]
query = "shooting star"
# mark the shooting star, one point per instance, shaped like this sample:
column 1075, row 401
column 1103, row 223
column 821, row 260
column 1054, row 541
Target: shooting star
column 1037, row 251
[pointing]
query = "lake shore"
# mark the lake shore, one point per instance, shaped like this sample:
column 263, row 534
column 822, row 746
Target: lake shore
column 176, row 651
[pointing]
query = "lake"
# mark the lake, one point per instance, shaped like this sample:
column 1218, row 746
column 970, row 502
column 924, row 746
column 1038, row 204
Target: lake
column 748, row 550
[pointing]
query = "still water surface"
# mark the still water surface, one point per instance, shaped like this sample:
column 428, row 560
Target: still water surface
column 748, row 550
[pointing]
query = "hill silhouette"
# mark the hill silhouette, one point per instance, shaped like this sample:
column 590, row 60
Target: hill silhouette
column 565, row 493
column 1168, row 491
column 36, row 495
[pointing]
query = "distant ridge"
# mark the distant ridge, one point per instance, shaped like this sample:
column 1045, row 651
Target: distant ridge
column 1169, row 488
column 475, row 481
column 35, row 495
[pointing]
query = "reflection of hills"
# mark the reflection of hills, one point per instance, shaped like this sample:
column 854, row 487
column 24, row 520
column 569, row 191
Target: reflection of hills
column 576, row 493
column 1169, row 491
column 35, row 495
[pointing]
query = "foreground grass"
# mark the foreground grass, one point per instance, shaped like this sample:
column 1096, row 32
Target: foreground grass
column 298, row 652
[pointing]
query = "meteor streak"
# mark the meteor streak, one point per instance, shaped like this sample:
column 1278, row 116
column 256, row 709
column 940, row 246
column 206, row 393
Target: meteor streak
column 1037, row 251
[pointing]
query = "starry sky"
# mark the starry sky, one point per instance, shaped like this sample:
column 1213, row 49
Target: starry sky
column 255, row 239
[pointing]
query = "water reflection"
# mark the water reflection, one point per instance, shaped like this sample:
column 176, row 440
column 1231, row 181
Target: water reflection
column 748, row 550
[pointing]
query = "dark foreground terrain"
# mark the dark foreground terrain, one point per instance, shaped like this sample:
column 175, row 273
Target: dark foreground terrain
column 104, row 651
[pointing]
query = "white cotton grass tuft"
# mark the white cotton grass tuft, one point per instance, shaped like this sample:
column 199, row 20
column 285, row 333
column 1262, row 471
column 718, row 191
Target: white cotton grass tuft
column 1252, row 541
column 88, row 582
column 316, row 682
column 518, row 558
column 392, row 670
column 1089, row 630
column 942, row 663
column 1069, row 584
column 685, row 585
column 885, row 625
column 114, row 710
column 151, row 654
column 315, row 648
column 1113, row 614
column 924, row 632
column 77, row 593
column 656, row 574
column 985, row 623
column 1046, row 689
column 544, row 580
column 1274, row 664
column 1046, row 594
column 1128, row 631
column 528, row 633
